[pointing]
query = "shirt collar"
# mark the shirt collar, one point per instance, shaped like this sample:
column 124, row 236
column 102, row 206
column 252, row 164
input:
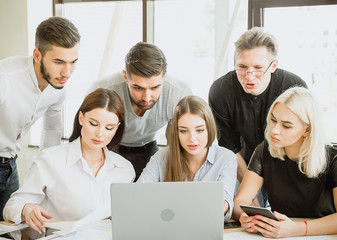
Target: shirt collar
column 75, row 152
column 211, row 155
column 32, row 71
column 110, row 160
column 75, row 155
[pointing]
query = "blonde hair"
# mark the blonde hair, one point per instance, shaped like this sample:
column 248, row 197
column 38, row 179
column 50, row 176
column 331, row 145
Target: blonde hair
column 176, row 166
column 312, row 156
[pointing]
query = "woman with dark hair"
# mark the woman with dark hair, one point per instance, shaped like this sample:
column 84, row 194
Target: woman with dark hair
column 102, row 99
column 70, row 181
column 191, row 155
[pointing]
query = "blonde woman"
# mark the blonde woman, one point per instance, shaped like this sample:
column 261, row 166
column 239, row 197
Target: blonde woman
column 297, row 168
column 191, row 155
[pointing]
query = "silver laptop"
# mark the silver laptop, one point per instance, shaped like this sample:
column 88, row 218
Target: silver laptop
column 167, row 211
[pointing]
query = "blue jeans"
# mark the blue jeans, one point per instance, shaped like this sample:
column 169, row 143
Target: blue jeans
column 9, row 182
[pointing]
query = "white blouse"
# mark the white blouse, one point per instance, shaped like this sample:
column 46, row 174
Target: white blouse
column 60, row 181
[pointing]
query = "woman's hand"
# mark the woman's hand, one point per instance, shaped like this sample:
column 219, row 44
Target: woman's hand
column 247, row 222
column 275, row 229
column 35, row 216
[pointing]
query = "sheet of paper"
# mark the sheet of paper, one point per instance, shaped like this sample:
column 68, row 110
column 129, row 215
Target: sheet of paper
column 98, row 230
column 101, row 213
column 86, row 234
column 94, row 217
column 8, row 228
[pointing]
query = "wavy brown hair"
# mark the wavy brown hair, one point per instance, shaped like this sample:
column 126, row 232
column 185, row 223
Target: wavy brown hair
column 176, row 167
column 105, row 99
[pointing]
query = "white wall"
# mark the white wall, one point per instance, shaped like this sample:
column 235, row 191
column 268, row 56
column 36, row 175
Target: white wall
column 13, row 28
column 18, row 22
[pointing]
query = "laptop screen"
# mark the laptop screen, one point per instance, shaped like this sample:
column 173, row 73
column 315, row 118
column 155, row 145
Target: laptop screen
column 167, row 210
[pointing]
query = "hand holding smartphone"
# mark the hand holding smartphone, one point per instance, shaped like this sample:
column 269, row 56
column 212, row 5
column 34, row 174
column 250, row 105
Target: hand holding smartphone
column 252, row 211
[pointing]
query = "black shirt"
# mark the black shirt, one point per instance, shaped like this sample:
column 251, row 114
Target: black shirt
column 291, row 192
column 241, row 117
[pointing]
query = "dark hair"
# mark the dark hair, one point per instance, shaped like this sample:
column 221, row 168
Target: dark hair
column 106, row 99
column 145, row 60
column 56, row 31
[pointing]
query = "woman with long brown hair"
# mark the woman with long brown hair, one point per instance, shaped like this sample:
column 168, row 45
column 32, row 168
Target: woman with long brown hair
column 192, row 154
column 70, row 181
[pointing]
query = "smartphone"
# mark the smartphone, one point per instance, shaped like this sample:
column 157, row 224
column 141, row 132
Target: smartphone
column 27, row 234
column 251, row 211
column 232, row 224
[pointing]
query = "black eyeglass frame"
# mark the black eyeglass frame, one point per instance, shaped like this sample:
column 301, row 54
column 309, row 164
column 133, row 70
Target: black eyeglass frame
column 253, row 72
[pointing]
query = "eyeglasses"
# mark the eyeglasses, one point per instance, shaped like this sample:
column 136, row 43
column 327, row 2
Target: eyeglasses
column 244, row 73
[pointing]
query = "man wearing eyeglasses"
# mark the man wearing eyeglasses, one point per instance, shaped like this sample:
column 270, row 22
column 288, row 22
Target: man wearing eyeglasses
column 240, row 99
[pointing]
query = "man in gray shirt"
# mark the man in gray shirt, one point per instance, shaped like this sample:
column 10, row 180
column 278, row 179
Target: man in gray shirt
column 149, row 97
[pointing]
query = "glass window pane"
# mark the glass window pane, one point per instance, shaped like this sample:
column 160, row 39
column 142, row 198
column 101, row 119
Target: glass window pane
column 192, row 34
column 118, row 24
column 309, row 49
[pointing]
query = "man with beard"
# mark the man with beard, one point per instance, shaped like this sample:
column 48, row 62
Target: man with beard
column 32, row 87
column 149, row 97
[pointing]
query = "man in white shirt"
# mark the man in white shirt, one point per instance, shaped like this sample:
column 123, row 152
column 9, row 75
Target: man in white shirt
column 32, row 87
column 149, row 97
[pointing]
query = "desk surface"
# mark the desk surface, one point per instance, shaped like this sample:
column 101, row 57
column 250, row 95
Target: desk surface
column 102, row 230
column 241, row 230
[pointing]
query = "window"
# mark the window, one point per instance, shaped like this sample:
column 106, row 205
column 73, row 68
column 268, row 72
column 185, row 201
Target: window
column 108, row 29
column 193, row 34
column 307, row 48
column 196, row 36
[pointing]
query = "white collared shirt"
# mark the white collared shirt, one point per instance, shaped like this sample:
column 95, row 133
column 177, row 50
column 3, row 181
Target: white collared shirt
column 60, row 181
column 22, row 103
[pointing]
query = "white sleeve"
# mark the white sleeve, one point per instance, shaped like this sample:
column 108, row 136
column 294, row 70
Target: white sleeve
column 31, row 191
column 228, row 177
column 52, row 125
column 152, row 171
column 3, row 87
